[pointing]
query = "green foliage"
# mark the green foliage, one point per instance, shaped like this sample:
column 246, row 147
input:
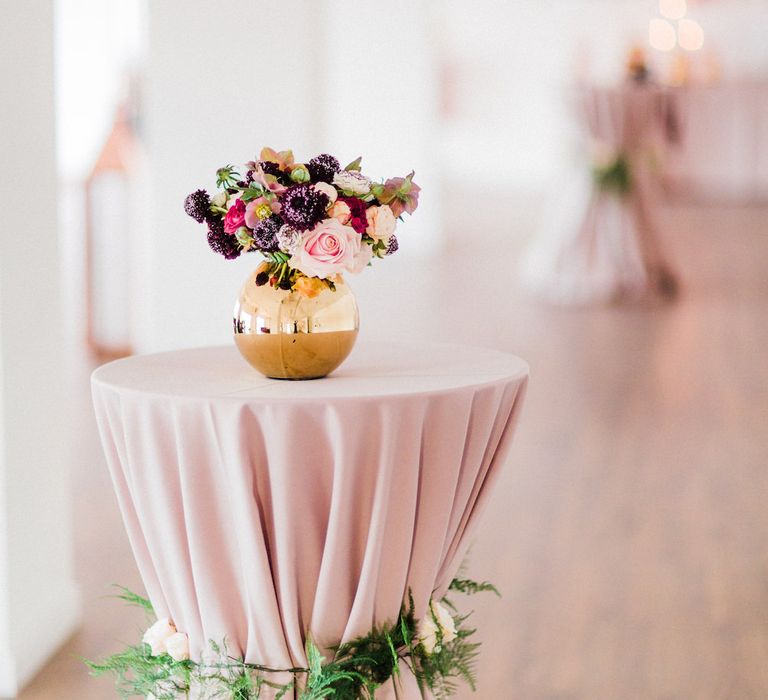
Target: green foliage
column 614, row 177
column 251, row 192
column 469, row 587
column 355, row 671
column 134, row 599
column 227, row 176
column 355, row 164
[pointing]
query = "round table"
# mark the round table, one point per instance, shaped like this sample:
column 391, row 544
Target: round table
column 259, row 510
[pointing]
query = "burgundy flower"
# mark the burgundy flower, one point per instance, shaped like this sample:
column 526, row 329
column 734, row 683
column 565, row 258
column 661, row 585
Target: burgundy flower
column 357, row 207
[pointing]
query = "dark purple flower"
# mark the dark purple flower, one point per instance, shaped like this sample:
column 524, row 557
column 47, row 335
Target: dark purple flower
column 197, row 205
column 222, row 242
column 393, row 246
column 322, row 168
column 271, row 168
column 265, row 234
column 302, row 206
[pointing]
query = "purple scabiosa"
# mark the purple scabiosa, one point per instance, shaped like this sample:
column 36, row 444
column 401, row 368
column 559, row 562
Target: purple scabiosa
column 197, row 205
column 302, row 206
column 265, row 234
column 322, row 168
column 393, row 246
column 222, row 242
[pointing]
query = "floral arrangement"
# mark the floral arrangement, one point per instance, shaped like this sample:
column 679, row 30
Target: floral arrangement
column 435, row 648
column 311, row 221
column 610, row 169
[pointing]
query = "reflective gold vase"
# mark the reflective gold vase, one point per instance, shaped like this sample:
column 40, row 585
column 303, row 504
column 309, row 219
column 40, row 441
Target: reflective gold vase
column 286, row 335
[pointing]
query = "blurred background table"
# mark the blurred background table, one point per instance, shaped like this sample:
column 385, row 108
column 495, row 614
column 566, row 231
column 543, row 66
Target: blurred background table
column 719, row 151
column 259, row 510
column 601, row 242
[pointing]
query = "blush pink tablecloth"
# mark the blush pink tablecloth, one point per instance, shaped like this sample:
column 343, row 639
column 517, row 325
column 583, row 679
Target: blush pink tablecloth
column 260, row 509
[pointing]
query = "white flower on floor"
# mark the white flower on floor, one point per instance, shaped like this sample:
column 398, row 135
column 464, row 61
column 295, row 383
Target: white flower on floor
column 435, row 627
column 177, row 646
column 157, row 636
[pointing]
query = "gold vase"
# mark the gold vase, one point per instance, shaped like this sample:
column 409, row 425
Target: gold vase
column 287, row 335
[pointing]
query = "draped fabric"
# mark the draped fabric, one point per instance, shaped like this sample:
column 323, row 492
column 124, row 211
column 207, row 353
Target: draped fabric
column 599, row 245
column 260, row 510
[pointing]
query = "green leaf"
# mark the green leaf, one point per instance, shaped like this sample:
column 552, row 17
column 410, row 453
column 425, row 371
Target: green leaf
column 251, row 192
column 134, row 599
column 355, row 164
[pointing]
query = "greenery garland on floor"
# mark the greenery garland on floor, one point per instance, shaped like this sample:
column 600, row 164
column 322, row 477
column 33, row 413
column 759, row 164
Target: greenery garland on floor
column 437, row 650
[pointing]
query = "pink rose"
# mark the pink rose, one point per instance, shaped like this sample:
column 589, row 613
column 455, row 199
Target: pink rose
column 381, row 223
column 235, row 217
column 327, row 249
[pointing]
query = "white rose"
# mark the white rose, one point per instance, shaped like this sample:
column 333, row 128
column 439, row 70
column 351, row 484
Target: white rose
column 219, row 199
column 428, row 633
column 328, row 190
column 444, row 620
column 177, row 645
column 436, row 625
column 288, row 239
column 353, row 182
column 381, row 223
column 157, row 635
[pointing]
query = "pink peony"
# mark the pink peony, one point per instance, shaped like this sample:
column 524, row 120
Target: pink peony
column 329, row 248
column 235, row 217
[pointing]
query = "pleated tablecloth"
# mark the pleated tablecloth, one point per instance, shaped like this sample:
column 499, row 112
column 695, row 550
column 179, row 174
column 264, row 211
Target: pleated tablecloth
column 259, row 510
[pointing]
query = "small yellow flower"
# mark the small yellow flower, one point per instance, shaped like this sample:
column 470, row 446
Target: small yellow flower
column 263, row 211
column 310, row 287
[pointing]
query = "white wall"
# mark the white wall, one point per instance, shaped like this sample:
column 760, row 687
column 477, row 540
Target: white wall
column 291, row 75
column 39, row 605
column 507, row 65
column 98, row 44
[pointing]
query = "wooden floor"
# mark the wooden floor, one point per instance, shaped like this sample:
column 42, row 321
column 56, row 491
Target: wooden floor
column 629, row 535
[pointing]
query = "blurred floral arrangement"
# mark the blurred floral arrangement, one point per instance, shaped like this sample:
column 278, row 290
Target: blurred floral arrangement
column 311, row 221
